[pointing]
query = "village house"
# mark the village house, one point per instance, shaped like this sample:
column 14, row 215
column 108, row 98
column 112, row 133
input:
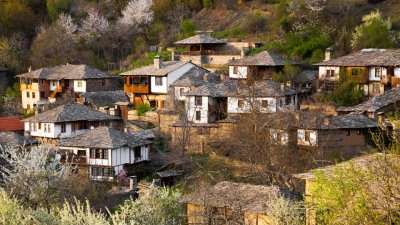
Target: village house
column 374, row 70
column 376, row 106
column 12, row 124
column 260, row 66
column 150, row 84
column 195, row 77
column 371, row 162
column 347, row 135
column 48, row 85
column 67, row 121
column 103, row 152
column 233, row 203
column 207, row 51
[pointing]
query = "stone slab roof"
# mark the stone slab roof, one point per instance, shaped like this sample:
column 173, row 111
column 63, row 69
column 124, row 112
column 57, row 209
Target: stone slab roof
column 222, row 89
column 196, row 77
column 263, row 88
column 375, row 103
column 246, row 197
column 200, row 39
column 359, row 162
column 349, row 121
column 367, row 57
column 104, row 137
column 11, row 139
column 14, row 124
column 306, row 76
column 264, row 58
column 67, row 72
column 151, row 70
column 70, row 113
column 105, row 98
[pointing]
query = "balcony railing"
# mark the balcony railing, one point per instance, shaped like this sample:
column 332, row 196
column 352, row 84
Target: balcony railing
column 137, row 88
column 30, row 87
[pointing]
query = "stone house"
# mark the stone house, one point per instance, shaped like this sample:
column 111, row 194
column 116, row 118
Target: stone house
column 237, row 203
column 48, row 85
column 150, row 84
column 207, row 51
column 374, row 70
column 67, row 121
column 103, row 151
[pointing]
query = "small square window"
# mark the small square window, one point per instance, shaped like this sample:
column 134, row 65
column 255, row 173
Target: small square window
column 79, row 84
column 54, row 83
column 347, row 132
column 235, row 70
column 307, row 136
column 159, row 81
column 264, row 103
column 181, row 91
column 198, row 100
column 33, row 95
column 240, row 104
column 81, row 153
column 378, row 72
column 376, row 88
column 28, row 94
column 41, row 82
column 63, row 128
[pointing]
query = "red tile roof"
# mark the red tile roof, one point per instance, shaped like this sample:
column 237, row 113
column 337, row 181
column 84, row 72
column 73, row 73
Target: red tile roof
column 11, row 124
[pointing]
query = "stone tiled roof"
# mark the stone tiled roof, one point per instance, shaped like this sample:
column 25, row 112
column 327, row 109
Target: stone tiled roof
column 375, row 103
column 263, row 88
column 246, row 197
column 151, row 70
column 222, row 89
column 143, row 134
column 264, row 58
column 104, row 137
column 196, row 77
column 200, row 39
column 359, row 162
column 367, row 57
column 11, row 124
column 68, row 72
column 11, row 139
column 105, row 98
column 306, row 76
column 349, row 121
column 69, row 113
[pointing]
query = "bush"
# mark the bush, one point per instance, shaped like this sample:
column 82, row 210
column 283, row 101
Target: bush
column 142, row 109
column 55, row 7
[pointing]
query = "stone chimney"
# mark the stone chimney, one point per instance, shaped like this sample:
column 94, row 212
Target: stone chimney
column 133, row 183
column 328, row 54
column 205, row 77
column 30, row 69
column 282, row 86
column 327, row 121
column 157, row 62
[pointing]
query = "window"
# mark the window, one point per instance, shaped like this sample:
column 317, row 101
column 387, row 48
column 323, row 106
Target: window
column 198, row 115
column 42, row 94
column 79, row 84
column 159, row 81
column 28, row 94
column 99, row 153
column 137, row 152
column 378, row 72
column 101, row 171
column 63, row 128
column 376, row 88
column 358, row 132
column 354, row 72
column 33, row 95
column 307, row 136
column 54, row 83
column 330, row 73
column 264, row 103
column 280, row 102
column 40, row 126
column 92, row 153
column 347, row 132
column 41, row 82
column 105, row 153
column 81, row 153
column 181, row 91
column 103, row 82
column 235, row 70
column 198, row 100
column 240, row 104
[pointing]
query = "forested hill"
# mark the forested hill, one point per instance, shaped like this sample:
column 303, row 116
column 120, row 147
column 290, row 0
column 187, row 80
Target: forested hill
column 110, row 33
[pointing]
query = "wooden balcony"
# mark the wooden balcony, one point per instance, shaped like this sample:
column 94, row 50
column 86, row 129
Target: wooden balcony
column 137, row 88
column 30, row 87
column 56, row 90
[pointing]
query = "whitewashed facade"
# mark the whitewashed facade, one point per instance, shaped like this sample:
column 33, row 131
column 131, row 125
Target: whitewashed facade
column 238, row 72
column 307, row 138
column 261, row 104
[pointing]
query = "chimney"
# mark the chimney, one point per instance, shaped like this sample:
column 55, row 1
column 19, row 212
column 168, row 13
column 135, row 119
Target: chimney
column 30, row 69
column 327, row 120
column 133, row 183
column 328, row 54
column 157, row 62
column 205, row 77
column 282, row 86
column 173, row 55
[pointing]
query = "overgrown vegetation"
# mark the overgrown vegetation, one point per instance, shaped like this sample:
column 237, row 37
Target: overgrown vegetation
column 142, row 108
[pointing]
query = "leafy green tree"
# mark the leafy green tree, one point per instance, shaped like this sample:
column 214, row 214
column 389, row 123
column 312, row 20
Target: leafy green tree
column 288, row 75
column 56, row 7
column 187, row 28
column 375, row 32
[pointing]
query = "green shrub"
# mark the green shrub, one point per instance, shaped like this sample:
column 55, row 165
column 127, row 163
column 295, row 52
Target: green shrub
column 55, row 7
column 187, row 28
column 142, row 109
